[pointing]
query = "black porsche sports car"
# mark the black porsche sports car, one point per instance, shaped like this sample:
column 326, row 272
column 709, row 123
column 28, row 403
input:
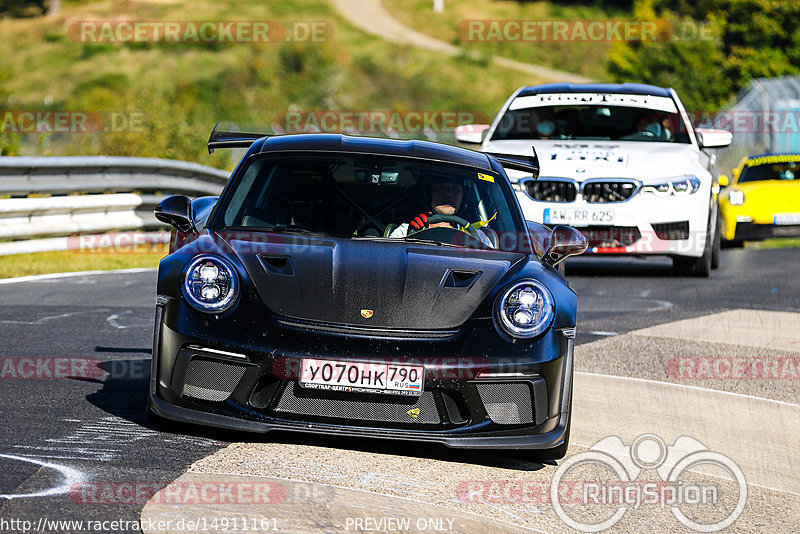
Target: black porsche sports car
column 367, row 287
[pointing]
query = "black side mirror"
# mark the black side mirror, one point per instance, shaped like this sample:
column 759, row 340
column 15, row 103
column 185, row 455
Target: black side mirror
column 565, row 241
column 177, row 212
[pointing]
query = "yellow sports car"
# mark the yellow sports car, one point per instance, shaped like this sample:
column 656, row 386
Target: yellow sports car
column 763, row 201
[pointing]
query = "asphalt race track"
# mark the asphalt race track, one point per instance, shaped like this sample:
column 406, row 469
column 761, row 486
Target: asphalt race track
column 75, row 365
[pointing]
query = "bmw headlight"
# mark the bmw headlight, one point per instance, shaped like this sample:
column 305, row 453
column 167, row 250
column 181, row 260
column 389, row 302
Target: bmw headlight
column 525, row 309
column 677, row 186
column 736, row 197
column 210, row 284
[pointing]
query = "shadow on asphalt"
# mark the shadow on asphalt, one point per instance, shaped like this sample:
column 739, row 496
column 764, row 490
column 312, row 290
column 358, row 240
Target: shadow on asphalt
column 619, row 266
column 124, row 394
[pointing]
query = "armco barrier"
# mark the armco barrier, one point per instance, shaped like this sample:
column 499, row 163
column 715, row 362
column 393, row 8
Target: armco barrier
column 61, row 196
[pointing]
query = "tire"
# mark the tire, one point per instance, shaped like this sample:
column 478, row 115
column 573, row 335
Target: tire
column 559, row 452
column 556, row 453
column 700, row 267
column 716, row 247
column 736, row 243
column 152, row 417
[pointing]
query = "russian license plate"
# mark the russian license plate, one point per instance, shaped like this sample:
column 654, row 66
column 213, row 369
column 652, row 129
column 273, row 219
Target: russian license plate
column 362, row 377
column 579, row 216
column 786, row 218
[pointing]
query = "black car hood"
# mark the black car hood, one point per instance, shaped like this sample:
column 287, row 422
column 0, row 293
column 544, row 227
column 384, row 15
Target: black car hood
column 369, row 283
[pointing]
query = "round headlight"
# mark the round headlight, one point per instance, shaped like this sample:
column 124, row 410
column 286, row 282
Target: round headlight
column 736, row 197
column 210, row 284
column 525, row 309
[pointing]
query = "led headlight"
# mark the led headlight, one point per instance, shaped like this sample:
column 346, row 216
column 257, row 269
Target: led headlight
column 736, row 197
column 525, row 309
column 679, row 185
column 210, row 284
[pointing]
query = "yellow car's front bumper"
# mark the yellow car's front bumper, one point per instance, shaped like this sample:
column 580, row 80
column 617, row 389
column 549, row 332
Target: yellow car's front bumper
column 771, row 208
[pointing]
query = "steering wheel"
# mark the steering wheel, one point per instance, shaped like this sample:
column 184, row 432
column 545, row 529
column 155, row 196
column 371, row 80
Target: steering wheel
column 454, row 219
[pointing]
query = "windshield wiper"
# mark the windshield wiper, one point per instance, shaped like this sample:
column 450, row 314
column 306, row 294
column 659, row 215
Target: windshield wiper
column 275, row 229
column 420, row 241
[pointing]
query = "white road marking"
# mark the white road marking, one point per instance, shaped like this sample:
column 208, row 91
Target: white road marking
column 47, row 318
column 51, row 276
column 113, row 320
column 671, row 384
column 603, row 333
column 70, row 475
column 97, row 440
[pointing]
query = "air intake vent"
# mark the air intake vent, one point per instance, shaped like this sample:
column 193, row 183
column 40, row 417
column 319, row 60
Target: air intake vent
column 551, row 190
column 507, row 403
column 608, row 191
column 419, row 410
column 611, row 236
column 211, row 380
column 672, row 230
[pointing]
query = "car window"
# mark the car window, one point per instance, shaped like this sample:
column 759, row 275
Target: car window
column 357, row 196
column 592, row 122
column 775, row 171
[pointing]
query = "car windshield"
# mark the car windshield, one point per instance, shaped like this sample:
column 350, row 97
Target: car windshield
column 789, row 170
column 594, row 121
column 366, row 197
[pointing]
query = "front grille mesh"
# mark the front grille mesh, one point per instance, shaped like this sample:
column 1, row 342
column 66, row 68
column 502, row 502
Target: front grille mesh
column 672, row 230
column 507, row 403
column 551, row 190
column 611, row 236
column 343, row 406
column 211, row 380
column 608, row 191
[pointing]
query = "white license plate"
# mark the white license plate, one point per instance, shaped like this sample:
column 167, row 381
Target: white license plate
column 579, row 216
column 362, row 377
column 786, row 218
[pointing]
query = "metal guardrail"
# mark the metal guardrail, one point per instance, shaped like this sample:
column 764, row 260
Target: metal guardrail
column 42, row 197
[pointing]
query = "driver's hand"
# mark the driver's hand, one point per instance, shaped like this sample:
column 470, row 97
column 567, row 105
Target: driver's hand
column 420, row 221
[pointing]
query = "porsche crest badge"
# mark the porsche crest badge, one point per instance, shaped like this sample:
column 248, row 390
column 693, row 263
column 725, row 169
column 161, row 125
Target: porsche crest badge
column 366, row 314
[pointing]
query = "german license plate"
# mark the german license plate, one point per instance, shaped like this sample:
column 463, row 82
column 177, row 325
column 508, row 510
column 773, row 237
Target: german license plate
column 786, row 218
column 362, row 377
column 579, row 216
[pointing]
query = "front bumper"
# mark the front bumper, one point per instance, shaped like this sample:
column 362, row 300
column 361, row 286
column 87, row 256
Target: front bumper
column 749, row 231
column 642, row 225
column 264, row 396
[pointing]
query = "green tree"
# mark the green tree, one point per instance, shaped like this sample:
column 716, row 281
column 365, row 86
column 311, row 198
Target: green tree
column 737, row 40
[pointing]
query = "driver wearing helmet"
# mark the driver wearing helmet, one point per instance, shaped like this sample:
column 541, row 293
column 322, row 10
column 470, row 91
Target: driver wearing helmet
column 447, row 195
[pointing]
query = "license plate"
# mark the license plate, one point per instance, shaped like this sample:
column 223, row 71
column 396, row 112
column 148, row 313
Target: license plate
column 578, row 216
column 362, row 377
column 786, row 218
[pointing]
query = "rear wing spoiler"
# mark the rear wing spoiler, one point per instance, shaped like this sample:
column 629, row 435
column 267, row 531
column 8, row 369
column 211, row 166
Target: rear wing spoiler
column 519, row 163
column 220, row 139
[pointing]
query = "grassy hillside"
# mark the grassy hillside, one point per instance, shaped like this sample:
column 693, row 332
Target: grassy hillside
column 586, row 58
column 178, row 91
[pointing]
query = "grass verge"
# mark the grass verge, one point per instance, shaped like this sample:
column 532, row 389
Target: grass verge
column 581, row 56
column 788, row 242
column 71, row 261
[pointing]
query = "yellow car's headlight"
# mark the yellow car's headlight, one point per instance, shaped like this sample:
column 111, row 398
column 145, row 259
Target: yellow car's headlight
column 736, row 197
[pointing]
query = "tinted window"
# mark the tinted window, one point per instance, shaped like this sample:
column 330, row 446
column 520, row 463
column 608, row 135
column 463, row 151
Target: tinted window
column 358, row 196
column 597, row 122
column 775, row 171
